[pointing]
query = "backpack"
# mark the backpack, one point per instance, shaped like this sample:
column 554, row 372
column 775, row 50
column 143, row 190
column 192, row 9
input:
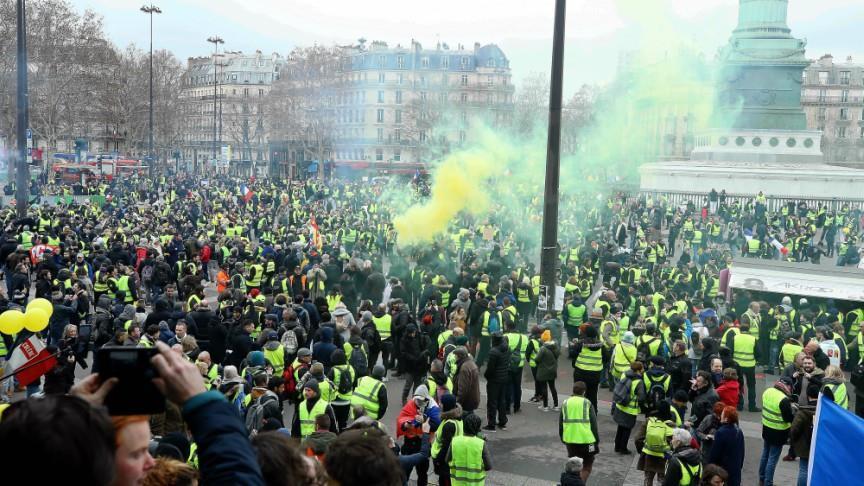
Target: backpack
column 857, row 378
column 344, row 386
column 289, row 342
column 621, row 393
column 494, row 324
column 656, row 392
column 643, row 352
column 147, row 273
column 290, row 382
column 255, row 414
column 358, row 360
column 516, row 356
column 507, row 316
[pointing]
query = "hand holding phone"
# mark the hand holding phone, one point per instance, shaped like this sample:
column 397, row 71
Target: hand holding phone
column 134, row 392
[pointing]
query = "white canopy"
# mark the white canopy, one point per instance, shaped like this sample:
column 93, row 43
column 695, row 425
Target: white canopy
column 805, row 279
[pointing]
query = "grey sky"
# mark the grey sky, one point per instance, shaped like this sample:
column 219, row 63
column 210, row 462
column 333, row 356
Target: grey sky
column 597, row 30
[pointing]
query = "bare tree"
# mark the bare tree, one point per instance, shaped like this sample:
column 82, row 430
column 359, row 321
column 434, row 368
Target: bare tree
column 578, row 113
column 531, row 103
column 303, row 101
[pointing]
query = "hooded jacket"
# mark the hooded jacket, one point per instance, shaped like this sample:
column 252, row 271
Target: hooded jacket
column 686, row 455
column 407, row 425
column 322, row 350
column 447, row 431
column 412, row 353
column 498, row 366
column 801, row 432
column 547, row 361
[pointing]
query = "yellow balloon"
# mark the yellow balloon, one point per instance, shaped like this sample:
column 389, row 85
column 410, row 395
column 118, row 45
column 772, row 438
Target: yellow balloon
column 43, row 304
column 35, row 320
column 11, row 322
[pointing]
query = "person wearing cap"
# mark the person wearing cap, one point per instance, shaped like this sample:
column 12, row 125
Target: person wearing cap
column 371, row 393
column 409, row 425
column 303, row 423
column 777, row 417
column 451, row 426
column 586, row 355
column 274, row 352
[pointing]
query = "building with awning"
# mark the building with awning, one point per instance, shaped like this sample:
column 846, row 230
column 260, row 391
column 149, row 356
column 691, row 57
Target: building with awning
column 797, row 278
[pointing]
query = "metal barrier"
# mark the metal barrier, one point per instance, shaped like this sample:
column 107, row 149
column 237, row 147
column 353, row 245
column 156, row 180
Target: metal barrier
column 680, row 198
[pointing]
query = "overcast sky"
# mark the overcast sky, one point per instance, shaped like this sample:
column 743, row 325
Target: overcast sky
column 597, row 30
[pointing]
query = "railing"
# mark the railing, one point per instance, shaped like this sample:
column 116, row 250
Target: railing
column 831, row 99
column 680, row 198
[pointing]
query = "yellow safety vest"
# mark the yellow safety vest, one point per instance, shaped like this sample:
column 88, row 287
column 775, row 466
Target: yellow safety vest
column 744, row 345
column 576, row 421
column 772, row 417
column 366, row 395
column 307, row 417
column 589, row 360
column 383, row 325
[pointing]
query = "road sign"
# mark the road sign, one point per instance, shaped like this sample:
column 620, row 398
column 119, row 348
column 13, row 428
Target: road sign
column 29, row 134
column 543, row 298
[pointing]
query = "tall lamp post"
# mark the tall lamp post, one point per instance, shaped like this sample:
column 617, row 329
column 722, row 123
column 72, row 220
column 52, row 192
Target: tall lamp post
column 150, row 10
column 22, row 174
column 549, row 251
column 215, row 40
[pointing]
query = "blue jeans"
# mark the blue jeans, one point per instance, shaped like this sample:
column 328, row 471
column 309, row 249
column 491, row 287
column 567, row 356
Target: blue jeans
column 773, row 353
column 802, row 472
column 768, row 462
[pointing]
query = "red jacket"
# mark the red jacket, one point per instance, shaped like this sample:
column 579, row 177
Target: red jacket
column 728, row 392
column 206, row 253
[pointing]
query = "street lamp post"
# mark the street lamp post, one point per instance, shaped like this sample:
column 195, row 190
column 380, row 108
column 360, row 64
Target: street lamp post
column 549, row 250
column 215, row 40
column 22, row 174
column 150, row 10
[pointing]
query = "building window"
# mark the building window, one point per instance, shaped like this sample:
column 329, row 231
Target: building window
column 382, row 61
column 423, row 97
column 424, row 62
column 861, row 135
column 464, row 117
column 397, row 135
column 464, row 62
column 490, row 63
column 380, row 96
column 381, row 78
column 398, row 116
column 423, row 81
column 464, row 80
column 380, row 118
column 489, row 99
column 844, row 113
column 844, row 96
column 841, row 132
column 397, row 155
column 822, row 112
column 463, row 98
column 445, row 62
column 442, row 97
column 423, row 135
column 490, row 80
column 462, row 136
column 845, row 77
column 823, row 95
column 400, row 62
column 245, row 92
column 379, row 154
column 399, row 78
column 260, row 93
column 398, row 97
column 380, row 135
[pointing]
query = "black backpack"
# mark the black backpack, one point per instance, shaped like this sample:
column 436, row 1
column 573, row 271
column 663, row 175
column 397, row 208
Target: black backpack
column 358, row 360
column 643, row 352
column 655, row 393
column 344, row 385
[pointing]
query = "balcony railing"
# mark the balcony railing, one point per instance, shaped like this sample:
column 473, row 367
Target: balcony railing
column 831, row 99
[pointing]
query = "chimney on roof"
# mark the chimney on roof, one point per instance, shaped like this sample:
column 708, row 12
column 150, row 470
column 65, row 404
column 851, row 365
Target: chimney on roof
column 476, row 46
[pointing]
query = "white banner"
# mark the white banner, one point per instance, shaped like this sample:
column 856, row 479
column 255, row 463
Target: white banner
column 834, row 285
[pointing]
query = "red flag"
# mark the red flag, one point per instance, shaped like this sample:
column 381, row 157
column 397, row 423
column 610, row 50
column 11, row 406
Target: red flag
column 28, row 353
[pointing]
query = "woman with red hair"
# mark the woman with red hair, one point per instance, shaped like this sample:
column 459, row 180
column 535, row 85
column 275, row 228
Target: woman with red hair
column 728, row 449
column 132, row 458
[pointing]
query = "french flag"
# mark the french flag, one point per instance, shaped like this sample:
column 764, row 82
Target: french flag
column 32, row 355
column 246, row 193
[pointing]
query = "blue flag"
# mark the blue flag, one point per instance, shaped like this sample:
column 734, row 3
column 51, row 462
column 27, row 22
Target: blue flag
column 837, row 434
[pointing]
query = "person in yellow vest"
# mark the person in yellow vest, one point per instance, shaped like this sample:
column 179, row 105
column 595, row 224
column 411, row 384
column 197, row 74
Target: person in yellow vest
column 371, row 393
column 777, row 416
column 623, row 355
column 450, row 427
column 343, row 377
column 274, row 352
column 684, row 467
column 746, row 353
column 468, row 458
column 624, row 413
column 587, row 356
column 303, row 424
column 577, row 429
column 653, row 442
column 834, row 386
column 518, row 344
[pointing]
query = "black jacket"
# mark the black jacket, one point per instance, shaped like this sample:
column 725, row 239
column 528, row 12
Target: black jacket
column 498, row 366
column 241, row 345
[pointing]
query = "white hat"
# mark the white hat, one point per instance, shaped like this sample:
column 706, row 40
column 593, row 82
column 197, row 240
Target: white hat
column 786, row 300
column 803, row 301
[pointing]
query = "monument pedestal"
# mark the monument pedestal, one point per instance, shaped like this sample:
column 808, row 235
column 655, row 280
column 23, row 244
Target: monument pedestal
column 783, row 164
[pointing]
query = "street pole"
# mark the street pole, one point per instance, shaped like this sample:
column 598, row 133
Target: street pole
column 549, row 251
column 151, row 9
column 215, row 40
column 22, row 174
